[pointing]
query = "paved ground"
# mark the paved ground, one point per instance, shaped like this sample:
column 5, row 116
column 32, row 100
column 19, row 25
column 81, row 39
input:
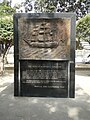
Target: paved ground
column 28, row 108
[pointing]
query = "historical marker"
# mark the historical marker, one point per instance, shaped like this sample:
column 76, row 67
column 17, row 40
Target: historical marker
column 44, row 54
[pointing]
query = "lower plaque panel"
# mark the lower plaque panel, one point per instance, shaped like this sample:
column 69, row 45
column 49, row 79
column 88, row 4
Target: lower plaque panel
column 44, row 78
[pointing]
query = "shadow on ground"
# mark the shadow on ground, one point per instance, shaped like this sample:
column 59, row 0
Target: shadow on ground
column 28, row 108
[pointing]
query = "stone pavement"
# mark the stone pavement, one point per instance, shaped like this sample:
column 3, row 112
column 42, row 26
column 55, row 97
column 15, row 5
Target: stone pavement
column 35, row 108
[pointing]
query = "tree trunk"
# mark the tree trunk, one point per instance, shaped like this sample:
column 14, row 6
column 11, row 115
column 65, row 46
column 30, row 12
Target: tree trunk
column 2, row 65
column 2, row 62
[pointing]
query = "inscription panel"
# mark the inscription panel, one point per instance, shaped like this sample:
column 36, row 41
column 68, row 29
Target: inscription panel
column 51, row 75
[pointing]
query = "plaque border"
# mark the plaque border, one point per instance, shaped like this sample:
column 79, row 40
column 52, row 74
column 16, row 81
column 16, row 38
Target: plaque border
column 71, row 64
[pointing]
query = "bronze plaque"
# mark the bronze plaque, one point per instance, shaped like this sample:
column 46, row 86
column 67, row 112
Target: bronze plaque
column 44, row 54
column 44, row 39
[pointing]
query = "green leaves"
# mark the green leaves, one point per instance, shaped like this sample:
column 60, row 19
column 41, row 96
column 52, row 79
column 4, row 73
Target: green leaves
column 6, row 10
column 83, row 29
column 6, row 22
column 45, row 5
column 6, row 29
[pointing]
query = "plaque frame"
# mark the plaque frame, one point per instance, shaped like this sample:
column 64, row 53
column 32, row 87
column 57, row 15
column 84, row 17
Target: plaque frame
column 71, row 63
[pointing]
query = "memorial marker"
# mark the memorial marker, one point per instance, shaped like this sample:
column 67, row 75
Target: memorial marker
column 44, row 54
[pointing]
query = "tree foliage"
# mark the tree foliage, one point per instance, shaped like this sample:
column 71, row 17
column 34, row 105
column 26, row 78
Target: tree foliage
column 45, row 5
column 83, row 29
column 6, row 29
column 6, row 37
column 24, row 6
column 6, row 9
column 6, row 22
column 80, row 7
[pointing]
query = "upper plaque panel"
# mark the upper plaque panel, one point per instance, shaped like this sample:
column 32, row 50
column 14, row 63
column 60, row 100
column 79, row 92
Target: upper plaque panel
column 44, row 39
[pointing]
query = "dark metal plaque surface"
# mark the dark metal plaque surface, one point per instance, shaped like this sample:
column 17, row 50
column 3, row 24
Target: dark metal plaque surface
column 38, row 76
